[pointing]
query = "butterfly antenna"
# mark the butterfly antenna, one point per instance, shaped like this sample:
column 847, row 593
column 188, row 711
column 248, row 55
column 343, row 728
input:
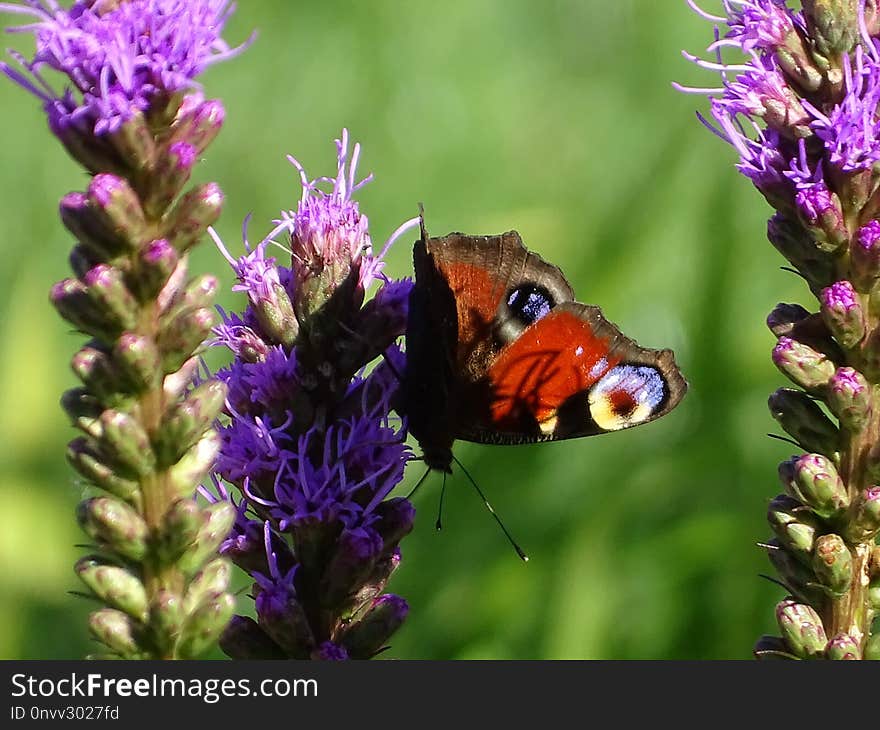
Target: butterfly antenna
column 439, row 523
column 419, row 483
column 519, row 550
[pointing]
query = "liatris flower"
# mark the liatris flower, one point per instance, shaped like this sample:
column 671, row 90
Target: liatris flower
column 133, row 116
column 310, row 443
column 802, row 112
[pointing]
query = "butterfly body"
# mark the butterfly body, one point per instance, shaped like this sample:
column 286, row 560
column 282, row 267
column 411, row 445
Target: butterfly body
column 499, row 352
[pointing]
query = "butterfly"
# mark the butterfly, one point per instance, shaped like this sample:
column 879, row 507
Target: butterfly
column 499, row 352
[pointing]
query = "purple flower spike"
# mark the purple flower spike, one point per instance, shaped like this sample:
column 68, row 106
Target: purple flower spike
column 311, row 442
column 117, row 56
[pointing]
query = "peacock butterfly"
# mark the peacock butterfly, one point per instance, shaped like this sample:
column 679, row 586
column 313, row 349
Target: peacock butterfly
column 499, row 352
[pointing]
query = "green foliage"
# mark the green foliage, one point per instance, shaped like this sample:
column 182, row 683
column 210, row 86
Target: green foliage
column 556, row 119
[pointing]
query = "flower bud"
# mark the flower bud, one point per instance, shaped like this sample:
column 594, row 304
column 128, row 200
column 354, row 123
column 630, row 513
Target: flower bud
column 180, row 381
column 155, row 265
column 865, row 521
column 172, row 173
column 864, row 252
column 115, row 586
column 192, row 215
column 98, row 372
column 352, row 562
column 194, row 465
column 803, row 420
column 180, row 526
column 795, row 575
column 219, row 518
column 183, row 335
column 244, row 639
column 211, row 580
column 794, row 526
column 199, row 125
column 134, row 142
column 126, row 443
column 203, row 626
column 396, row 518
column 72, row 301
column 792, row 241
column 137, row 360
column 97, row 242
column 843, row 646
column 813, row 480
column 849, row 398
column 803, row 365
column 368, row 635
column 115, row 630
column 283, row 619
column 185, row 422
column 801, row 629
column 113, row 524
column 86, row 460
column 832, row 563
column 872, row 647
column 166, row 619
column 833, row 25
column 822, row 214
column 117, row 211
column 843, row 313
column 107, row 291
column 783, row 318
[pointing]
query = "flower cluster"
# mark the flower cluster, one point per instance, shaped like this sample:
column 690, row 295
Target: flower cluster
column 802, row 113
column 310, row 444
column 133, row 117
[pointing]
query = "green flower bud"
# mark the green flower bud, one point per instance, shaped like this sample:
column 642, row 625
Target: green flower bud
column 797, row 576
column 849, row 398
column 843, row 313
column 173, row 170
column 832, row 563
column 137, row 361
column 833, row 25
column 116, row 211
column 183, row 335
column 97, row 242
column 354, row 557
column 166, row 619
column 112, row 523
column 803, row 420
column 127, row 444
column 287, row 626
column 803, row 365
column 872, row 648
column 813, row 480
column 186, row 422
column 211, row 580
column 796, row 244
column 115, row 586
column 195, row 464
column 865, row 522
column 156, row 263
column 70, row 298
column 794, row 525
column 198, row 125
column 204, row 625
column 192, row 215
column 89, row 463
column 116, row 631
column 98, row 372
column 801, row 629
column 276, row 315
column 843, row 646
column 180, row 527
column 244, row 639
column 135, row 143
column 180, row 381
column 106, row 289
column 215, row 529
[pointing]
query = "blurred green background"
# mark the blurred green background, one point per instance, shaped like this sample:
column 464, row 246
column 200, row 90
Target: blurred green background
column 554, row 118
